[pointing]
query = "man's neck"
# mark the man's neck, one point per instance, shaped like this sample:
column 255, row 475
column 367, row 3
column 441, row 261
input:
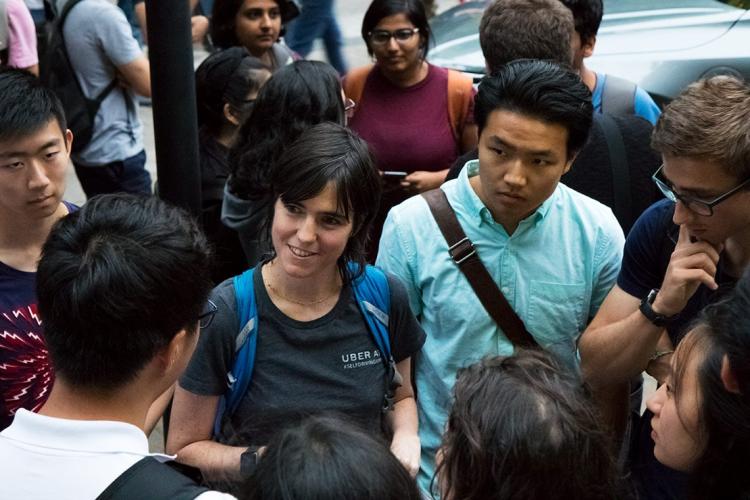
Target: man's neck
column 737, row 254
column 588, row 76
column 75, row 404
column 21, row 238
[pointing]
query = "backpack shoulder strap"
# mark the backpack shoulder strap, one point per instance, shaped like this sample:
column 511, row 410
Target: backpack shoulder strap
column 459, row 100
column 238, row 380
column 463, row 253
column 354, row 82
column 373, row 296
column 618, row 96
column 149, row 478
column 618, row 161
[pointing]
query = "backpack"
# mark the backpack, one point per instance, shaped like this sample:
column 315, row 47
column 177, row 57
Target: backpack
column 149, row 478
column 459, row 94
column 372, row 294
column 58, row 74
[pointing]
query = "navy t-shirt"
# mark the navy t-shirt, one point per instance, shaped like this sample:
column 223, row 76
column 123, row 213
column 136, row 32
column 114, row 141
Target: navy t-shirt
column 25, row 370
column 648, row 249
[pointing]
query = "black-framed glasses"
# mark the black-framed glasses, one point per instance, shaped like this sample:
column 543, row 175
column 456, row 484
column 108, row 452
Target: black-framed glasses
column 695, row 205
column 382, row 37
column 206, row 317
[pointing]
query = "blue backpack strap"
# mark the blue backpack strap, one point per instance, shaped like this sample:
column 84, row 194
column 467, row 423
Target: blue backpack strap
column 373, row 296
column 238, row 380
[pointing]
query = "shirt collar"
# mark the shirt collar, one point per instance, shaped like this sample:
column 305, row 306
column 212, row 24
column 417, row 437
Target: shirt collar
column 479, row 212
column 94, row 436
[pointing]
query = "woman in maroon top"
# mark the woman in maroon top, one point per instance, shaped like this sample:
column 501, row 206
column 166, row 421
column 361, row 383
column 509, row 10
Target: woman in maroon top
column 417, row 118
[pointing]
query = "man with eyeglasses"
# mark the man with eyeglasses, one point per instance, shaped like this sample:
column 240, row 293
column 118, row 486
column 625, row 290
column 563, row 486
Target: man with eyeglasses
column 122, row 286
column 682, row 254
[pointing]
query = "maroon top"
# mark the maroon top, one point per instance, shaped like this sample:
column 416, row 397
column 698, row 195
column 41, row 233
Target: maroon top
column 408, row 129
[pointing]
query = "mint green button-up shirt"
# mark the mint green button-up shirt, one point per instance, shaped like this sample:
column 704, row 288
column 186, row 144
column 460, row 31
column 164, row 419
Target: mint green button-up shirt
column 555, row 270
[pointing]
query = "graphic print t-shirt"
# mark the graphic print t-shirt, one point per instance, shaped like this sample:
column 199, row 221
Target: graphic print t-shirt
column 25, row 370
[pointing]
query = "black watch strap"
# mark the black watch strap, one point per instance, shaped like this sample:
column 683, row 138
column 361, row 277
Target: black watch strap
column 657, row 319
column 249, row 461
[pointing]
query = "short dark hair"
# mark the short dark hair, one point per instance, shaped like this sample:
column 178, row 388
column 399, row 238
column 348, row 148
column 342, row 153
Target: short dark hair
column 587, row 15
column 223, row 16
column 327, row 458
column 328, row 153
column 294, row 98
column 26, row 105
column 721, row 330
column 226, row 77
column 524, row 427
column 526, row 29
column 414, row 10
column 541, row 90
column 118, row 279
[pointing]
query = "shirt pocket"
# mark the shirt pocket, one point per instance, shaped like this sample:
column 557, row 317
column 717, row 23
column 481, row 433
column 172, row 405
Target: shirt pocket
column 555, row 316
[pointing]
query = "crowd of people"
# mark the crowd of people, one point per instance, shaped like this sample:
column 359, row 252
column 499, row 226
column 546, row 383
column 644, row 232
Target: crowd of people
column 399, row 286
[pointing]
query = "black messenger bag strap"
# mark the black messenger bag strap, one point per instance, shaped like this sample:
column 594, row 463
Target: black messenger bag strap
column 149, row 478
column 463, row 253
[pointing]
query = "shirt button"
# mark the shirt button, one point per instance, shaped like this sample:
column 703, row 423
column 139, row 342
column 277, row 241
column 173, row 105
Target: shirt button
column 506, row 290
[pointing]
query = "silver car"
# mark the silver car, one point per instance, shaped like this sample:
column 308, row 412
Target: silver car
column 662, row 45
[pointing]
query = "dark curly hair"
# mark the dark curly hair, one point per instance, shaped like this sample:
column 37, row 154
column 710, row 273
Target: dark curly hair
column 523, row 427
column 293, row 99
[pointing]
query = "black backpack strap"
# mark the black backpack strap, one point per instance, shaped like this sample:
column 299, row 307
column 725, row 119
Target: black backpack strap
column 97, row 101
column 618, row 96
column 618, row 160
column 149, row 478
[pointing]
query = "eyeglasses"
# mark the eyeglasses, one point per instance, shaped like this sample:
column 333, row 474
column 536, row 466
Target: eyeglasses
column 205, row 319
column 382, row 37
column 349, row 106
column 695, row 205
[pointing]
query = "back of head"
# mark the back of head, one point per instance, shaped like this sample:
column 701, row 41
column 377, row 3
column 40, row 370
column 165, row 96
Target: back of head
column 709, row 120
column 541, row 90
column 226, row 77
column 523, row 427
column 296, row 97
column 587, row 15
column 331, row 153
column 526, row 29
column 118, row 279
column 327, row 458
column 26, row 105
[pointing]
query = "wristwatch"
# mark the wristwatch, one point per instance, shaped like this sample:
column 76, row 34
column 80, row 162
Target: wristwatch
column 657, row 319
column 249, row 461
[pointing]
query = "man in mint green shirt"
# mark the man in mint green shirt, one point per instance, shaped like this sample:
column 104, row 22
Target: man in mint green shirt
column 553, row 252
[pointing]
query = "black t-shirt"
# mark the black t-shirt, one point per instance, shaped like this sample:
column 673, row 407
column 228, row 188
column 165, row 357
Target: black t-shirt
column 591, row 173
column 328, row 365
column 648, row 249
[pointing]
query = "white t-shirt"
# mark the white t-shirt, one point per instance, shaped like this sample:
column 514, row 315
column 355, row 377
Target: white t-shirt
column 45, row 457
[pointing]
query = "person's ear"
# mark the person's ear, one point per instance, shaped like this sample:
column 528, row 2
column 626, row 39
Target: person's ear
column 569, row 162
column 68, row 140
column 587, row 47
column 171, row 353
column 728, row 377
column 230, row 116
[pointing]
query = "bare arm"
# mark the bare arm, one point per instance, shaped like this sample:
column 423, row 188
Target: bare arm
column 156, row 410
column 619, row 342
column 403, row 419
column 140, row 15
column 190, row 437
column 137, row 75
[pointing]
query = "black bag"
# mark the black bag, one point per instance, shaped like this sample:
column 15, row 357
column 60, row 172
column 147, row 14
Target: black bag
column 151, row 479
column 58, row 74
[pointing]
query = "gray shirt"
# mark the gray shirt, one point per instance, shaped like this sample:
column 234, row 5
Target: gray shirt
column 98, row 38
